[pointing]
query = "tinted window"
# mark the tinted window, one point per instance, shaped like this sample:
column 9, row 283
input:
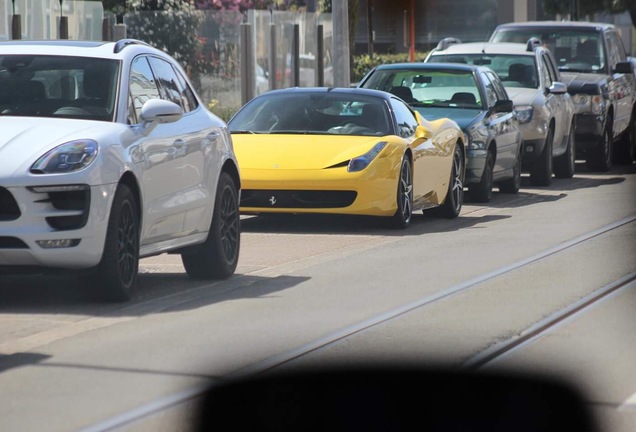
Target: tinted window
column 315, row 113
column 56, row 86
column 142, row 88
column 189, row 101
column 167, row 80
column 574, row 49
column 406, row 121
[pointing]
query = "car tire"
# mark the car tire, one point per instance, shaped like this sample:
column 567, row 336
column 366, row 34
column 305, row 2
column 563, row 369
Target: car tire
column 482, row 191
column 115, row 277
column 513, row 184
column 402, row 217
column 565, row 164
column 452, row 205
column 541, row 171
column 217, row 257
column 600, row 157
column 626, row 147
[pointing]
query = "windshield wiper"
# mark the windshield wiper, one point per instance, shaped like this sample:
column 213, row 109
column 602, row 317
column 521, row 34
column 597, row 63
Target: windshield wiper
column 243, row 132
column 298, row 132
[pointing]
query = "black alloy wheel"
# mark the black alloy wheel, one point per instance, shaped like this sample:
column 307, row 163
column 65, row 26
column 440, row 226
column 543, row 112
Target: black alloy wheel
column 116, row 275
column 217, row 257
column 452, row 205
column 404, row 212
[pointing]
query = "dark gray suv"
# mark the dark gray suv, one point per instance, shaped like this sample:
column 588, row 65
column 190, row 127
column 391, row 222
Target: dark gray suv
column 600, row 79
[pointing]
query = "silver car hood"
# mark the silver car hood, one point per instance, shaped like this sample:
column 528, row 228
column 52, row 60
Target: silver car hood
column 24, row 139
column 521, row 96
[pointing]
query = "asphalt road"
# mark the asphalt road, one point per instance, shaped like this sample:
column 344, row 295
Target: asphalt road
column 320, row 290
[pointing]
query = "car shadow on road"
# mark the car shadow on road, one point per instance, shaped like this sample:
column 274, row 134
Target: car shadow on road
column 158, row 292
column 421, row 223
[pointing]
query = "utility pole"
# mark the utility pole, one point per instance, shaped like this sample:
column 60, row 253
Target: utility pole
column 370, row 26
column 340, row 20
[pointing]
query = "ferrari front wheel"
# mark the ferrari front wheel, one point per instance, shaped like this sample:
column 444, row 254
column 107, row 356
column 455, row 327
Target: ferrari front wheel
column 404, row 212
column 455, row 195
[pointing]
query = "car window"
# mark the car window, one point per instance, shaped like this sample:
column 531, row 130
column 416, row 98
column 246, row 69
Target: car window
column 57, row 86
column 576, row 50
column 491, row 94
column 551, row 64
column 548, row 79
column 313, row 113
column 615, row 48
column 429, row 87
column 514, row 70
column 500, row 91
column 142, row 87
column 188, row 100
column 406, row 121
column 167, row 80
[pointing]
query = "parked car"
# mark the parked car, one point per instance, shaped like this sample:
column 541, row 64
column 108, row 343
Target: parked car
column 307, row 66
column 543, row 106
column 600, row 78
column 108, row 155
column 346, row 151
column 472, row 96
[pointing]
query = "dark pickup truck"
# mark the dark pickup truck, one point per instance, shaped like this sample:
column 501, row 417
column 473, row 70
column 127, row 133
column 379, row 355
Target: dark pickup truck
column 600, row 79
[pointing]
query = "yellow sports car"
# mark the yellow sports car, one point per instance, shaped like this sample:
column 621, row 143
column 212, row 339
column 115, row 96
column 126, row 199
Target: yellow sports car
column 346, row 151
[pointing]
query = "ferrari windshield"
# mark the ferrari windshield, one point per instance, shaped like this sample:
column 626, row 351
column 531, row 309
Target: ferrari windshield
column 58, row 86
column 314, row 113
column 574, row 50
column 429, row 88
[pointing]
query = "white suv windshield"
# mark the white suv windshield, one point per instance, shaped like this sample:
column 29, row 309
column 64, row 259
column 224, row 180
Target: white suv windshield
column 56, row 86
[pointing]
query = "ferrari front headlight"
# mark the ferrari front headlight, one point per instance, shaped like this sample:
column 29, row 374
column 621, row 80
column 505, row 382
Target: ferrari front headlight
column 68, row 157
column 361, row 162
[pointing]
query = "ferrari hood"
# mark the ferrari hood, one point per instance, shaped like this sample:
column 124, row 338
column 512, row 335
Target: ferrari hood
column 298, row 152
column 24, row 139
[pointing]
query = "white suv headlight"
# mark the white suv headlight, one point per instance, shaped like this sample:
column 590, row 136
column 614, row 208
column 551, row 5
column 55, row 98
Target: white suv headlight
column 68, row 157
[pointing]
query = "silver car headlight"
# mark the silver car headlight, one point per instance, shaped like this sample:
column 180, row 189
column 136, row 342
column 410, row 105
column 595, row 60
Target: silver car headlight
column 524, row 113
column 588, row 103
column 68, row 157
column 361, row 162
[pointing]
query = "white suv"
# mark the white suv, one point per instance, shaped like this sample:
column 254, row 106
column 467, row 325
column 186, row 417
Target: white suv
column 108, row 155
column 544, row 108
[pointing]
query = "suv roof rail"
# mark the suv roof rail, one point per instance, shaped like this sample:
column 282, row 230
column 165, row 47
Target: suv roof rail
column 446, row 42
column 123, row 43
column 533, row 42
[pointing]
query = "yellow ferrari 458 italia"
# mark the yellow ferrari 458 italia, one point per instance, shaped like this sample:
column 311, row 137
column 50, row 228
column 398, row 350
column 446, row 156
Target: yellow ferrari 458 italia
column 346, row 151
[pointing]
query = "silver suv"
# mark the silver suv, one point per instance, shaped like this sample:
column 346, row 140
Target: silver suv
column 543, row 106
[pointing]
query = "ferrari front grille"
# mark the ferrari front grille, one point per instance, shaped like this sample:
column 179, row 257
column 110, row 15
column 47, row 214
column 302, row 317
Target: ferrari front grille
column 296, row 198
